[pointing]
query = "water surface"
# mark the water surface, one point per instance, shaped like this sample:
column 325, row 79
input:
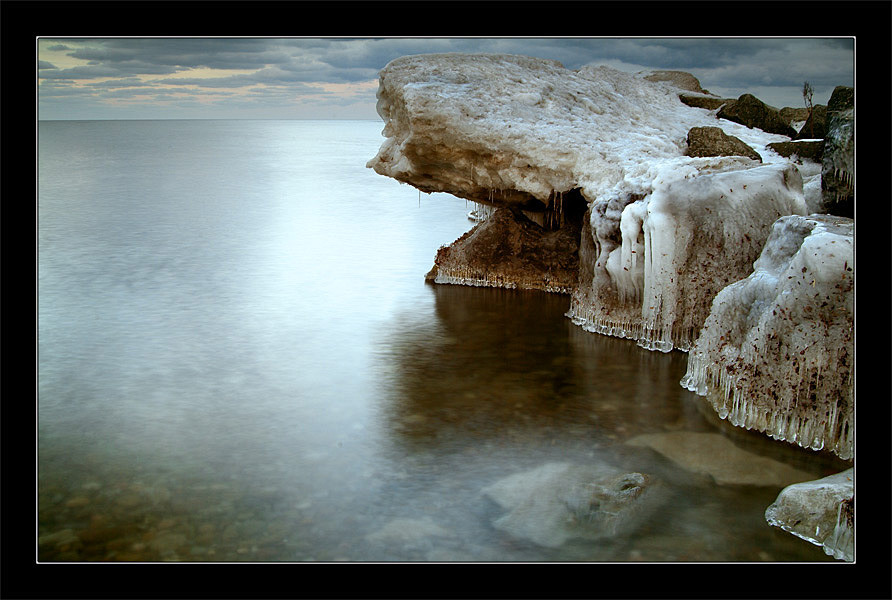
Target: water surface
column 239, row 360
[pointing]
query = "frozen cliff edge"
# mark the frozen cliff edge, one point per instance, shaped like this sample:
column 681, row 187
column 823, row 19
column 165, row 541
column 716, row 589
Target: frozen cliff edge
column 511, row 130
column 776, row 353
column 549, row 144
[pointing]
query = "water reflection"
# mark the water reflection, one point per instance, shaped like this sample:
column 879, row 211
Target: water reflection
column 500, row 382
column 504, row 364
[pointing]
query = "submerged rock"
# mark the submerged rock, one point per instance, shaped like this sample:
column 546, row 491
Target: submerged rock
column 557, row 502
column 820, row 512
column 715, row 455
column 408, row 531
column 776, row 353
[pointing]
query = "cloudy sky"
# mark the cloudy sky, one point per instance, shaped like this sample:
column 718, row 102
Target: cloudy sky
column 335, row 78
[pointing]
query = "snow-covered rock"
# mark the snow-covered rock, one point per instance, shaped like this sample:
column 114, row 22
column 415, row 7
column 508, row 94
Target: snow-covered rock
column 821, row 512
column 512, row 130
column 776, row 353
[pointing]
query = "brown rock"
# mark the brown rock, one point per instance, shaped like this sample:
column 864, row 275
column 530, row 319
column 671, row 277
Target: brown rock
column 712, row 141
column 707, row 102
column 812, row 150
column 815, row 125
column 752, row 112
column 679, row 79
column 509, row 250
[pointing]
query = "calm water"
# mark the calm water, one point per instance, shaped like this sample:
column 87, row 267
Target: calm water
column 239, row 360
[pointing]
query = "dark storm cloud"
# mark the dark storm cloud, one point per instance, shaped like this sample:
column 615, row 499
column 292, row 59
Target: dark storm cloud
column 776, row 67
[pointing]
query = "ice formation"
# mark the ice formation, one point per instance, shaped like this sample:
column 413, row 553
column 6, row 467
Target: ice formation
column 513, row 130
column 776, row 353
column 526, row 133
column 657, row 262
column 820, row 512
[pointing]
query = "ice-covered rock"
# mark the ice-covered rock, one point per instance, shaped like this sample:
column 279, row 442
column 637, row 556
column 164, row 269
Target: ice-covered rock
column 557, row 502
column 513, row 130
column 838, row 171
column 821, row 512
column 776, row 353
column 715, row 455
column 652, row 265
column 665, row 231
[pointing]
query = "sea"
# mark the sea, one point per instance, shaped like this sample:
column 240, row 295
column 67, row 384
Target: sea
column 240, row 360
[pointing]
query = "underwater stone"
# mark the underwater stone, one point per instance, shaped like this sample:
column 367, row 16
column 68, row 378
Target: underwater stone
column 715, row 455
column 557, row 502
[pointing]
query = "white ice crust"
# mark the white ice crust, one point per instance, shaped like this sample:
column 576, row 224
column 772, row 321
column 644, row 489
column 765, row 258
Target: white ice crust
column 776, row 353
column 461, row 122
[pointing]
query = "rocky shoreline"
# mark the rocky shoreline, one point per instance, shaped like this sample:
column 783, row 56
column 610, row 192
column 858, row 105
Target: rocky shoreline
column 670, row 215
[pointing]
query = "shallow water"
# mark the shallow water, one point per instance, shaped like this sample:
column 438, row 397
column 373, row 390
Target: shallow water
column 239, row 360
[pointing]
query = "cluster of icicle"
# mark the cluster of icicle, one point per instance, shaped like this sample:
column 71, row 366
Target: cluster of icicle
column 645, row 332
column 776, row 353
column 470, row 277
column 841, row 543
column 481, row 212
column 734, row 397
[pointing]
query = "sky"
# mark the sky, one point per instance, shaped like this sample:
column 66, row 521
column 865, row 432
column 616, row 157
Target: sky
column 336, row 78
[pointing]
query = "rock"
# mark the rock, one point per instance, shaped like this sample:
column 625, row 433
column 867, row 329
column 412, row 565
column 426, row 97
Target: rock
column 712, row 141
column 842, row 99
column 715, row 455
column 512, row 131
column 793, row 115
column 557, row 502
column 838, row 164
column 63, row 537
column 406, row 531
column 776, row 353
column 810, row 149
column 508, row 250
column 679, row 79
column 815, row 126
column 752, row 112
column 708, row 102
column 651, row 266
column 820, row 512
